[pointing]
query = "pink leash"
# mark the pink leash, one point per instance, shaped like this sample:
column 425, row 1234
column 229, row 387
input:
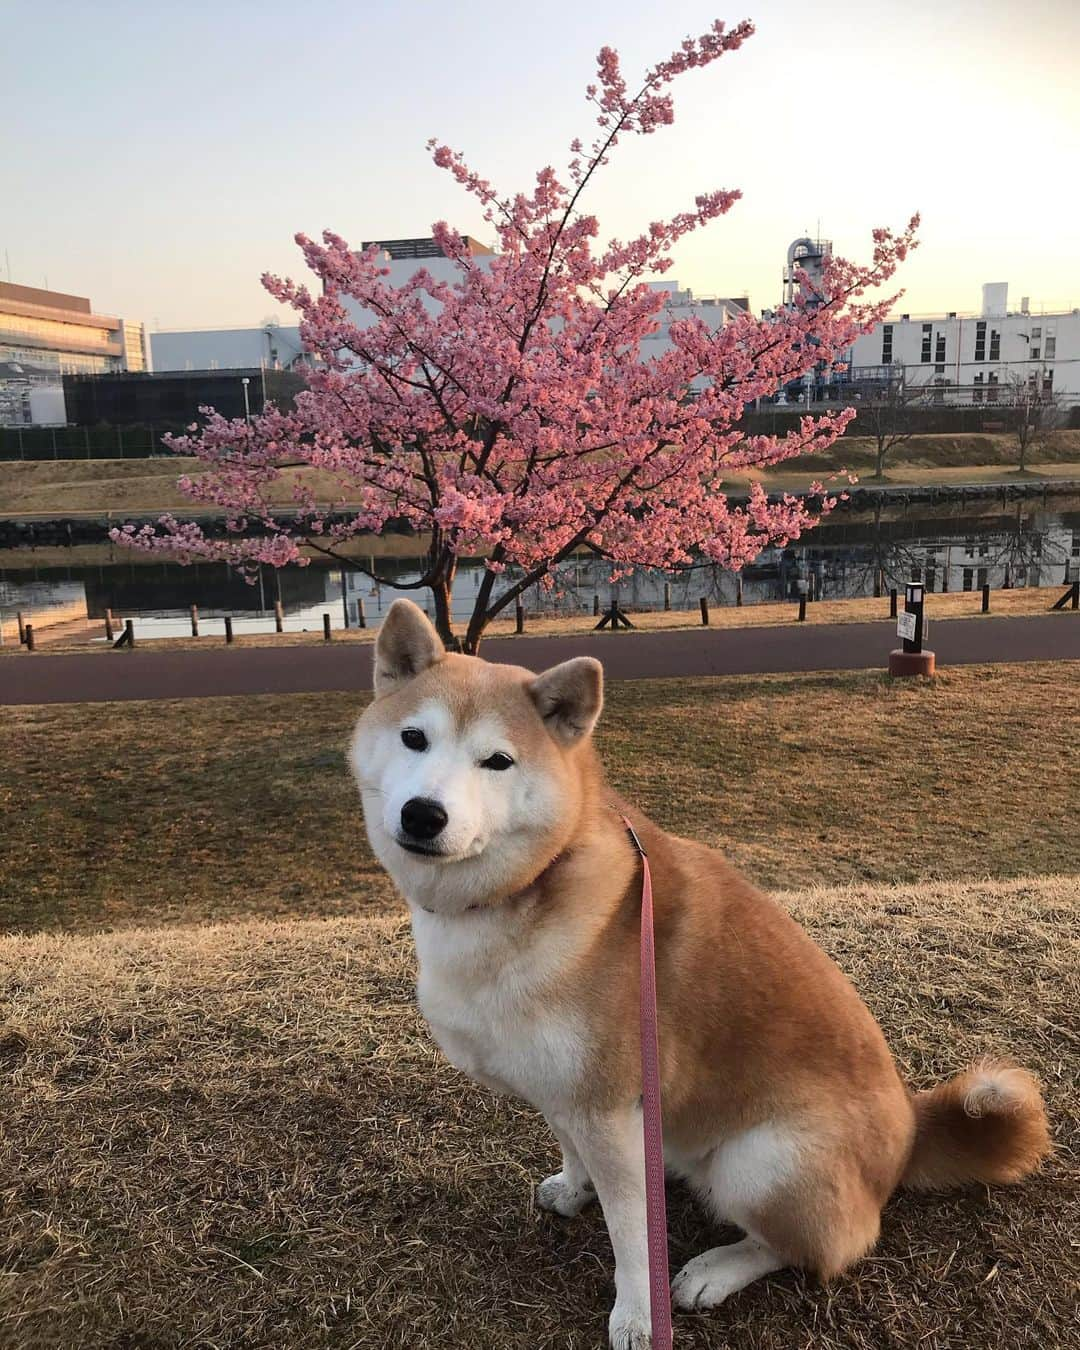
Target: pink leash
column 655, row 1202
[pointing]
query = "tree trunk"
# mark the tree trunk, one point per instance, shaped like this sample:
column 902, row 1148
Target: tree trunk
column 442, row 590
column 478, row 620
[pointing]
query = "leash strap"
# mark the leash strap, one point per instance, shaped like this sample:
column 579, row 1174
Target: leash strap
column 655, row 1202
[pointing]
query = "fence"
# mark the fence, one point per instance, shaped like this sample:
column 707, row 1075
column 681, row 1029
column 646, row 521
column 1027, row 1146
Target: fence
column 102, row 442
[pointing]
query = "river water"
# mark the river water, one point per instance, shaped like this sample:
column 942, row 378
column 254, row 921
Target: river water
column 1032, row 542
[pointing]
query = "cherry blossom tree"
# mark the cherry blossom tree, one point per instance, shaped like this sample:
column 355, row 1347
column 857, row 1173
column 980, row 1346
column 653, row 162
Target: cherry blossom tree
column 511, row 415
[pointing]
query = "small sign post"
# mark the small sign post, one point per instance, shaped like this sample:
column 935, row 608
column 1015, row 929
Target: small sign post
column 913, row 607
column 911, row 658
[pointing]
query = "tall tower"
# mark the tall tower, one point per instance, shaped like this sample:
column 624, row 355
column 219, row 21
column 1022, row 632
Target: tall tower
column 810, row 256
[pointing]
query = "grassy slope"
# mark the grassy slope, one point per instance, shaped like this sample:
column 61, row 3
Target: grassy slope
column 243, row 1137
column 139, row 485
column 123, row 814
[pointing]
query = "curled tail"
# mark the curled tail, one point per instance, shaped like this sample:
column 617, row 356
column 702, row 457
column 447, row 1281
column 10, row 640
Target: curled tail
column 987, row 1125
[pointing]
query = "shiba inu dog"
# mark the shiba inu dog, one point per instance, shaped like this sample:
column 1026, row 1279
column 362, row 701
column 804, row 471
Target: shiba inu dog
column 485, row 801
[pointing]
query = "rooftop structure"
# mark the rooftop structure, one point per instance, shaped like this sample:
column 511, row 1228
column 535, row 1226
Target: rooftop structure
column 401, row 249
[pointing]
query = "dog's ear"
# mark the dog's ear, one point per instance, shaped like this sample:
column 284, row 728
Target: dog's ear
column 569, row 698
column 407, row 644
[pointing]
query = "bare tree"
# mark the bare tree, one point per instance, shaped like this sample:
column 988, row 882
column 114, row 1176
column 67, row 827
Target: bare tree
column 888, row 416
column 1032, row 409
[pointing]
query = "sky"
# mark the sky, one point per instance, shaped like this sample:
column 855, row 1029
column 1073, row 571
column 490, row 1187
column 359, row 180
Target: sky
column 158, row 158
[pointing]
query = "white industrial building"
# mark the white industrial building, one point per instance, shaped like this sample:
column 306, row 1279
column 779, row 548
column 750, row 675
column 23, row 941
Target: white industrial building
column 278, row 347
column 976, row 358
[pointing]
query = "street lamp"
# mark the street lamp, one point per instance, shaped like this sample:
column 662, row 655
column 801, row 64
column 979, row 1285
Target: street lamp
column 245, row 381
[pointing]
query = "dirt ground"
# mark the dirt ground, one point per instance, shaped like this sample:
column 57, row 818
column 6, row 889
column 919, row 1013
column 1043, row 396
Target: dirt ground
column 88, row 635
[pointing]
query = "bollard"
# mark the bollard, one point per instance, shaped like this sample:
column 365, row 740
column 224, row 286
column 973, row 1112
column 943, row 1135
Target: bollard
column 326, row 627
column 986, row 597
column 28, row 637
column 1076, row 595
column 667, row 595
column 194, row 620
column 361, row 617
column 738, row 591
column 129, row 632
column 704, row 611
column 877, row 583
column 22, row 628
column 279, row 617
column 596, row 604
column 802, row 608
column 892, row 603
column 228, row 629
column 1006, row 585
column 912, row 658
column 519, row 618
column 108, row 626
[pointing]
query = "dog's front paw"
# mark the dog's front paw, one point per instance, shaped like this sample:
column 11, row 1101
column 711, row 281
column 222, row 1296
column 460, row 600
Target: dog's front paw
column 629, row 1330
column 560, row 1196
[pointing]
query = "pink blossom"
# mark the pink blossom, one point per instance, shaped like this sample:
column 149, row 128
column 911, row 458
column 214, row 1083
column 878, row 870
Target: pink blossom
column 513, row 414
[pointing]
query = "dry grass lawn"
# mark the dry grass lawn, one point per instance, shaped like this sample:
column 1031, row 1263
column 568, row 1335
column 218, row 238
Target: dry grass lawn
column 205, row 810
column 242, row 1136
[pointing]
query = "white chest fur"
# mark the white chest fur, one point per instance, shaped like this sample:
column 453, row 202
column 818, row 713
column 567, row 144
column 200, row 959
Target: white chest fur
column 487, row 988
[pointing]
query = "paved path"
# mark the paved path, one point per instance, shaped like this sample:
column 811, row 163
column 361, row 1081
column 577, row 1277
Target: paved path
column 320, row 667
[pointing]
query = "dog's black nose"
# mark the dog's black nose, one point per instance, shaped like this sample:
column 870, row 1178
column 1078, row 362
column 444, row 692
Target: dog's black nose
column 421, row 818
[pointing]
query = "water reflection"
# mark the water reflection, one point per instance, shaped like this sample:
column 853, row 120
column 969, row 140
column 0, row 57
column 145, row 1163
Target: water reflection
column 853, row 554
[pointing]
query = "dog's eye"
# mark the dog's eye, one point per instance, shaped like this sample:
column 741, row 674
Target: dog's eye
column 498, row 760
column 414, row 738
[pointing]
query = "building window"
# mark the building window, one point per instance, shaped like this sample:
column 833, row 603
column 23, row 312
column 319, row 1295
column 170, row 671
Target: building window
column 926, row 330
column 977, row 392
column 939, row 370
column 886, row 345
column 980, row 342
column 939, row 354
column 969, row 577
column 1051, row 346
column 995, row 345
column 992, row 389
column 1035, row 353
column 1048, row 382
column 1036, row 332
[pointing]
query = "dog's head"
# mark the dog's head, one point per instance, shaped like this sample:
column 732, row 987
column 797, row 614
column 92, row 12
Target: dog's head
column 470, row 773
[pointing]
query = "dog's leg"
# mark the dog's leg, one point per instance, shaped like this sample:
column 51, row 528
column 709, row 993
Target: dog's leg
column 569, row 1191
column 711, row 1277
column 613, row 1154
